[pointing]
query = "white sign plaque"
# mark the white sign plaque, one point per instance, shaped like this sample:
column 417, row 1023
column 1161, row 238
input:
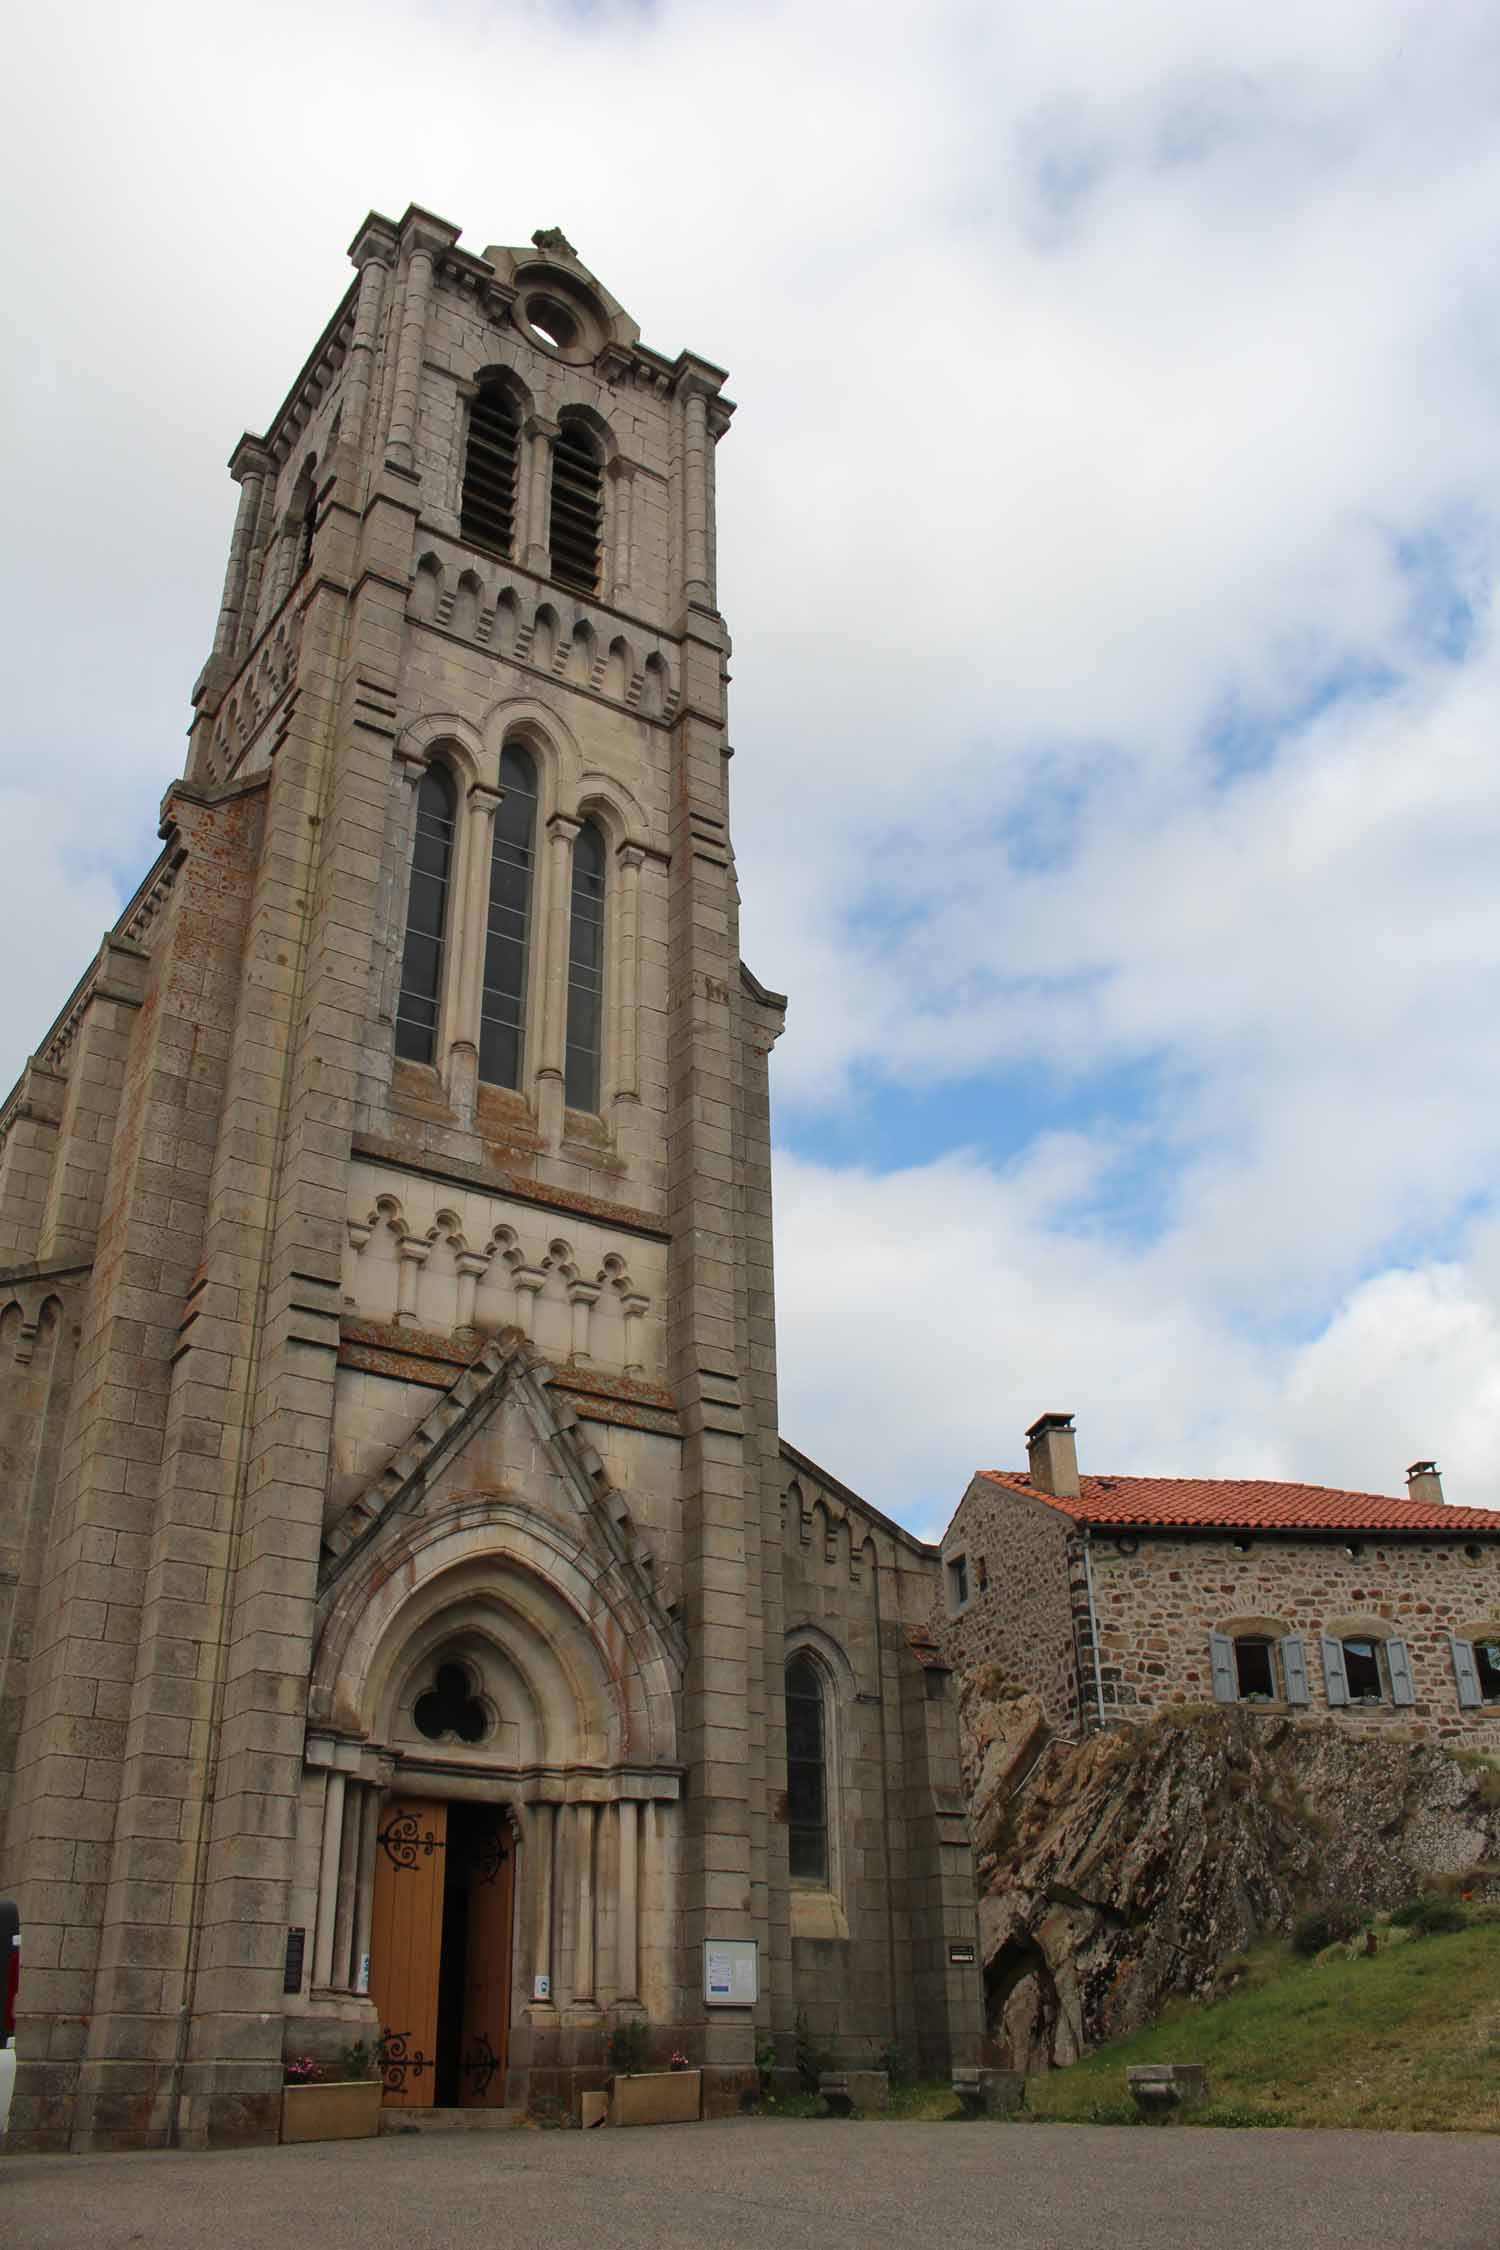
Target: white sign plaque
column 731, row 1972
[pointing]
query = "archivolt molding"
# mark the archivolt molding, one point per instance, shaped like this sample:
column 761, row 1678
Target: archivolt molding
column 506, row 1367
column 580, row 1674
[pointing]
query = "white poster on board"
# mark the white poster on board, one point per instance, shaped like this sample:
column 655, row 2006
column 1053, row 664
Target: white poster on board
column 731, row 1972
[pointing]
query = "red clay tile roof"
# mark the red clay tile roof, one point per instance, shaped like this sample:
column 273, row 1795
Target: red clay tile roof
column 1245, row 1504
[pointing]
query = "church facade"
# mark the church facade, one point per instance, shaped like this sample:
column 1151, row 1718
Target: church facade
column 414, row 1630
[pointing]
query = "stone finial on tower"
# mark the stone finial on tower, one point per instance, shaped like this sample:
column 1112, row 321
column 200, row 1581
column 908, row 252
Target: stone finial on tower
column 1052, row 1451
column 553, row 240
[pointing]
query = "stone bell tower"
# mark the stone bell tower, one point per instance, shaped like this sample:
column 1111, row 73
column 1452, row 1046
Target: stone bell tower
column 396, row 1498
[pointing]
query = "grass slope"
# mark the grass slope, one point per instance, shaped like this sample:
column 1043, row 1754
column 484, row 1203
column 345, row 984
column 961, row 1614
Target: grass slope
column 1407, row 2039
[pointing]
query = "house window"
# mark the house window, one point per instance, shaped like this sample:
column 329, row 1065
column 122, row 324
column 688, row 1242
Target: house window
column 806, row 1772
column 1367, row 1668
column 1363, row 1671
column 489, row 496
column 1476, row 1666
column 958, row 1583
column 1258, row 1661
column 577, row 509
column 426, row 919
column 502, row 1015
column 1487, row 1665
column 586, row 970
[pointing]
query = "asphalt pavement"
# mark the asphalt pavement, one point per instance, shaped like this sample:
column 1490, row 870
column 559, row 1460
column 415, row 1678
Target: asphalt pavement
column 757, row 2184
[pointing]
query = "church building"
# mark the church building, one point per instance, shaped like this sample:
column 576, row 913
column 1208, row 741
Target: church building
column 414, row 1632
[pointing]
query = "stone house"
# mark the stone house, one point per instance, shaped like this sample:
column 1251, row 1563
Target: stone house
column 1111, row 1598
column 405, row 1593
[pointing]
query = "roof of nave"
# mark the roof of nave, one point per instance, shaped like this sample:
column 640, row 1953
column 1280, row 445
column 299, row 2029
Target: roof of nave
column 1245, row 1504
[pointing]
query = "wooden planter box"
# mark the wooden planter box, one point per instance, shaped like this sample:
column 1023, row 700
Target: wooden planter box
column 657, row 2097
column 336, row 2109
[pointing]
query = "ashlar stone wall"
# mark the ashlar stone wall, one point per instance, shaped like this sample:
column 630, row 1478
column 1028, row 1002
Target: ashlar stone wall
column 870, row 1950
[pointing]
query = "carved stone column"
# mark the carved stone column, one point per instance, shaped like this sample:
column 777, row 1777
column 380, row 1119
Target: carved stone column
column 582, row 1297
column 328, row 1879
column 537, row 551
column 561, row 833
column 472, row 1268
column 629, row 859
column 622, row 550
column 427, row 241
column 413, row 1254
column 695, row 473
column 372, row 250
column 469, row 924
column 628, row 1918
column 250, row 465
column 584, row 1951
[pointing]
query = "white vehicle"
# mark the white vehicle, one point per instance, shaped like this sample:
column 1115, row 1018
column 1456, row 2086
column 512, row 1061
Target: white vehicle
column 10, row 1970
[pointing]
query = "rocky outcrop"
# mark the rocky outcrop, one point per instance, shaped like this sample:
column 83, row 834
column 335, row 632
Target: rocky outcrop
column 1123, row 1869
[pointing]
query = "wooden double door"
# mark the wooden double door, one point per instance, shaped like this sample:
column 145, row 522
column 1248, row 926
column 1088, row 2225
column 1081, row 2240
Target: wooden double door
column 440, row 1951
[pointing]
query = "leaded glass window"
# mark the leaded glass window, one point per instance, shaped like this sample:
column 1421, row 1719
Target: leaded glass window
column 806, row 1772
column 586, row 970
column 426, row 919
column 502, row 1024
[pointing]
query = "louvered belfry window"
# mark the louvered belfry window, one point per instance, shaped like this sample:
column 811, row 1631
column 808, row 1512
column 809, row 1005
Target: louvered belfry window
column 585, row 970
column 426, row 919
column 489, row 497
column 577, row 509
column 502, row 1023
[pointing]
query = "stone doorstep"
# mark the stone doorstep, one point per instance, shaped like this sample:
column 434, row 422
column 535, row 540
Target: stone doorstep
column 396, row 2119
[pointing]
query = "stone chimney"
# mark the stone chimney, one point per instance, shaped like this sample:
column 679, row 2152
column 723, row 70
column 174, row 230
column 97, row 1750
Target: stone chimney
column 1424, row 1482
column 1052, row 1451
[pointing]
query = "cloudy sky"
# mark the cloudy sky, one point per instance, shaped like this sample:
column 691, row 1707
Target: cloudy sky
column 1108, row 534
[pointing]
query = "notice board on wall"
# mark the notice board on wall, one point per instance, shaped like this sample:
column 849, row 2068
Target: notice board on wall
column 731, row 1972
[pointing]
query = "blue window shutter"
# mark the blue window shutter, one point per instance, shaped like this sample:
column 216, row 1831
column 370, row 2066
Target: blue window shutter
column 1294, row 1669
column 1334, row 1678
column 1221, row 1659
column 1398, row 1661
column 1466, row 1672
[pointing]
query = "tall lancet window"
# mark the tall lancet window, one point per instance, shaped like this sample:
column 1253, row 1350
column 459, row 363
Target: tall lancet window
column 806, row 1772
column 426, row 919
column 577, row 509
column 586, row 970
column 489, row 497
column 502, row 1025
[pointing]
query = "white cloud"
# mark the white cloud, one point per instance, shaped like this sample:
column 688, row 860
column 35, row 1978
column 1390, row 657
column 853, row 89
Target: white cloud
column 928, row 1316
